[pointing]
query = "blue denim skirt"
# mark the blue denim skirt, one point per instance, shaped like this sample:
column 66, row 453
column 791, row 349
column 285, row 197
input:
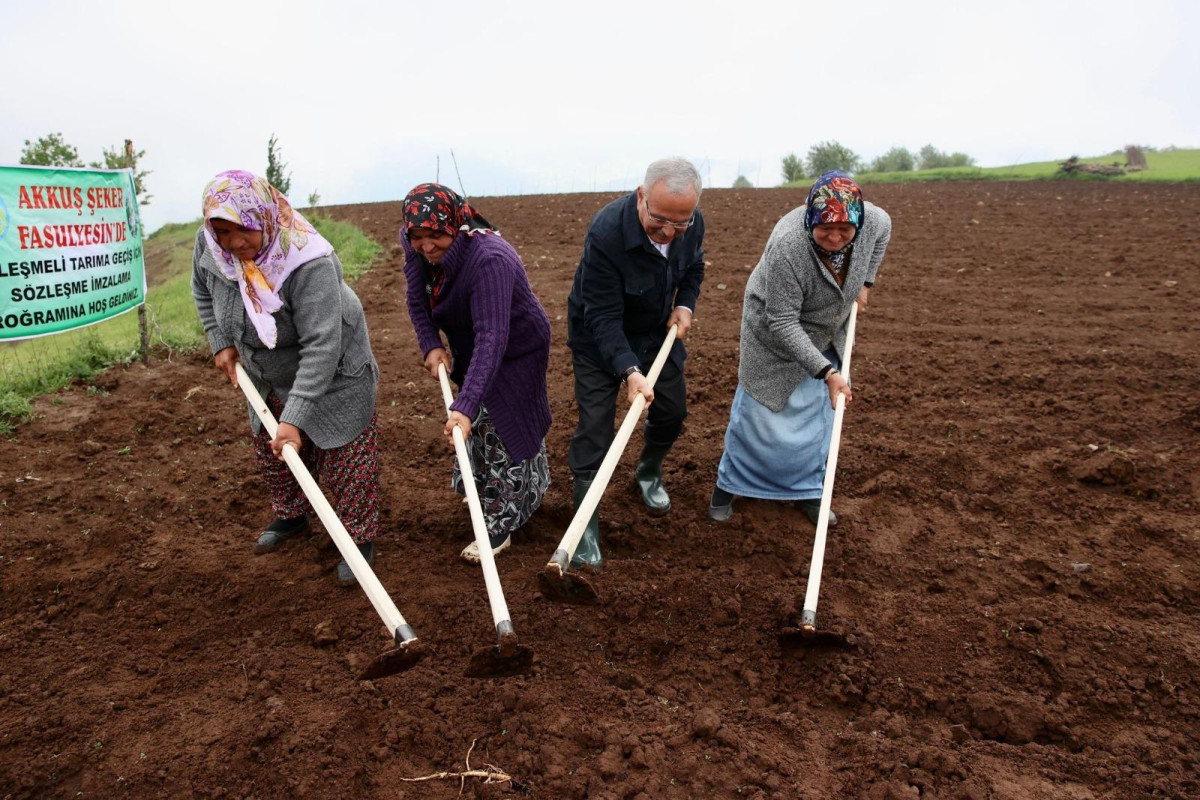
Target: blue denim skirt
column 778, row 455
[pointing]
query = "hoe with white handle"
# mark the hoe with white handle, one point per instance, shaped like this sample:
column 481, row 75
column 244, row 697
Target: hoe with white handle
column 808, row 619
column 508, row 656
column 408, row 650
column 557, row 583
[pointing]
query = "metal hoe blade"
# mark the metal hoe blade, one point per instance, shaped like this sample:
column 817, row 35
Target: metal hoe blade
column 502, row 660
column 809, row 635
column 393, row 661
column 567, row 587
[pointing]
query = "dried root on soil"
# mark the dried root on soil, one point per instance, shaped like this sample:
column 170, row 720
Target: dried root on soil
column 490, row 773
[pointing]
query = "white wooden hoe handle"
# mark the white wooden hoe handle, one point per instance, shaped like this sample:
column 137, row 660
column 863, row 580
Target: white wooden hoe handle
column 570, row 541
column 401, row 631
column 487, row 560
column 808, row 618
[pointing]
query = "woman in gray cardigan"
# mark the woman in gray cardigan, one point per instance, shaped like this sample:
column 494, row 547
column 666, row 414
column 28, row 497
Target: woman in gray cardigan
column 270, row 294
column 821, row 258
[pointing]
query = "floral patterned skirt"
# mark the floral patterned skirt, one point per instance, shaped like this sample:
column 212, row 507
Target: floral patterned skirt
column 349, row 475
column 508, row 492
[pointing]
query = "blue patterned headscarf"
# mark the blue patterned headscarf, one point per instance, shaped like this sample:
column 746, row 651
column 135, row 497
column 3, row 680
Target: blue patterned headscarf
column 834, row 197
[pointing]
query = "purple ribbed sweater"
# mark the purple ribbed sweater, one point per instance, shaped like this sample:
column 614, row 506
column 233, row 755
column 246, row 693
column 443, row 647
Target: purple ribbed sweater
column 498, row 332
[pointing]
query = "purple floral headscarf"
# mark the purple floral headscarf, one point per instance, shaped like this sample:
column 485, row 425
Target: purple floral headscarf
column 289, row 241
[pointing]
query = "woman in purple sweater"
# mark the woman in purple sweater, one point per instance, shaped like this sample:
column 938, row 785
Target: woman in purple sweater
column 466, row 282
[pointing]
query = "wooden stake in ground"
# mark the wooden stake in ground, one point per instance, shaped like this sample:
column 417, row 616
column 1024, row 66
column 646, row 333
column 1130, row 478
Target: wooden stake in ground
column 143, row 330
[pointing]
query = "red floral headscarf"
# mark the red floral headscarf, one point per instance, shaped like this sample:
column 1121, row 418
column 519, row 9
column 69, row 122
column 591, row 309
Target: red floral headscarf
column 439, row 208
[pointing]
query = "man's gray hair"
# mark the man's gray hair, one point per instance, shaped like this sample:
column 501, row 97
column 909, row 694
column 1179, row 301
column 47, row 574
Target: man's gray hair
column 678, row 173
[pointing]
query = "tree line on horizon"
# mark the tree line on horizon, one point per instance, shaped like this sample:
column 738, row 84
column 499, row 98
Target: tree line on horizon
column 52, row 150
column 825, row 156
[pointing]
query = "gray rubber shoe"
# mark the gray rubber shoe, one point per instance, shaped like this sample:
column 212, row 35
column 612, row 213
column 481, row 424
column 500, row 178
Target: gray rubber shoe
column 720, row 507
column 720, row 513
column 345, row 576
column 812, row 510
column 280, row 531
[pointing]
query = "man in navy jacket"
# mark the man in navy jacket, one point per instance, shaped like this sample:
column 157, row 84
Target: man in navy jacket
column 642, row 265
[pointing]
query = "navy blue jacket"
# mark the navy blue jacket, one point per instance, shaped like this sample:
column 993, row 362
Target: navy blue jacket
column 625, row 289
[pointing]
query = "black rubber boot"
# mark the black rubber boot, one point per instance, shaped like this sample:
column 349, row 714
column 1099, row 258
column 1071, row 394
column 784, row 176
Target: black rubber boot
column 345, row 576
column 649, row 478
column 279, row 532
column 588, row 551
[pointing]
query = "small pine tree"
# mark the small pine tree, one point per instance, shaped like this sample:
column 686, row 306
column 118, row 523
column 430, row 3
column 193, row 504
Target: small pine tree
column 276, row 167
column 742, row 182
column 50, row 151
column 313, row 199
column 115, row 159
column 793, row 168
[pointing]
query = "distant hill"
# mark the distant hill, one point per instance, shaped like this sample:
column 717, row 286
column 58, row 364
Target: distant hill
column 1164, row 165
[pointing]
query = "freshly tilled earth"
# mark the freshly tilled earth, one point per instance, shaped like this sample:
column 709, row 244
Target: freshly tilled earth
column 1014, row 571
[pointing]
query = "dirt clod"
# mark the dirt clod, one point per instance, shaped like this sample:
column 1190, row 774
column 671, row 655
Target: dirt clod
column 706, row 723
column 324, row 634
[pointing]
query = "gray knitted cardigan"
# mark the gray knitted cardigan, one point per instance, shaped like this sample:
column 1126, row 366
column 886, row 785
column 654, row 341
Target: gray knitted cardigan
column 321, row 368
column 794, row 310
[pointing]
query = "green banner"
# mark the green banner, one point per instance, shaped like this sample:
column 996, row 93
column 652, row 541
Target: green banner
column 70, row 249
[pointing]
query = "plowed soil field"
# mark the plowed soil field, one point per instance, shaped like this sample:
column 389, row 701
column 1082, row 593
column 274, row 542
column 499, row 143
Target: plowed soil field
column 1015, row 565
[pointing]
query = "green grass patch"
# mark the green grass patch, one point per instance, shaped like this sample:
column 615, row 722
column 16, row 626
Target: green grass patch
column 34, row 367
column 31, row 370
column 173, row 230
column 1164, row 166
column 14, row 410
column 355, row 249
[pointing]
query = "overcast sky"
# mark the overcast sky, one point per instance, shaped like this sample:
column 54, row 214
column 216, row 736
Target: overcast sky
column 575, row 96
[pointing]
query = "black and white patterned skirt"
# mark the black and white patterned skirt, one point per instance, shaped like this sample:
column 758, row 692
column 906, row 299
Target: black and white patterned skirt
column 508, row 492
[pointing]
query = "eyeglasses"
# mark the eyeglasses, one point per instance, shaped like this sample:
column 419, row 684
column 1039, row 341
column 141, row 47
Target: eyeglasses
column 668, row 223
